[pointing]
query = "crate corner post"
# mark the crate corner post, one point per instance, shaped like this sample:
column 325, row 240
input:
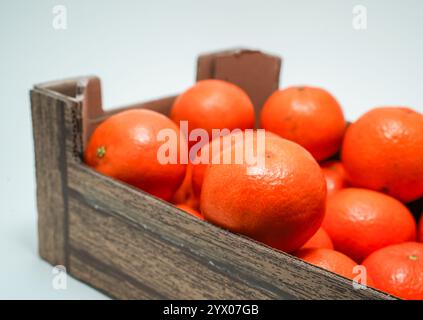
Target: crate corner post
column 56, row 109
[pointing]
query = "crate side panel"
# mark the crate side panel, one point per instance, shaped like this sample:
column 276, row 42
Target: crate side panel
column 133, row 258
column 100, row 276
column 260, row 267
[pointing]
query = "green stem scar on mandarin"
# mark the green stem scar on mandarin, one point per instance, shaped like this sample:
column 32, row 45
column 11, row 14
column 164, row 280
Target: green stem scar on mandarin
column 412, row 257
column 101, row 151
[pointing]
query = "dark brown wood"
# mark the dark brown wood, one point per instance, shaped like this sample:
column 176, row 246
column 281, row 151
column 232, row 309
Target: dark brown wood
column 50, row 161
column 129, row 244
column 95, row 236
column 189, row 247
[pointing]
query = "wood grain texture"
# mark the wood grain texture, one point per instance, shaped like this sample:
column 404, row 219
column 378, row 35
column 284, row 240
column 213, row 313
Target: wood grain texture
column 96, row 236
column 50, row 162
column 269, row 272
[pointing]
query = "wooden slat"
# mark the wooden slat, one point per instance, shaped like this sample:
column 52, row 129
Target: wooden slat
column 140, row 259
column 205, row 63
column 262, row 268
column 162, row 105
column 94, row 273
column 50, row 162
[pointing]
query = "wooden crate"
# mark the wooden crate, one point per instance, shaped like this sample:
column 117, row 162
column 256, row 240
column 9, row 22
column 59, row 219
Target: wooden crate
column 131, row 245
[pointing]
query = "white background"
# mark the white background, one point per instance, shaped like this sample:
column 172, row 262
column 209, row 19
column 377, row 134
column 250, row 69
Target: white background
column 146, row 49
